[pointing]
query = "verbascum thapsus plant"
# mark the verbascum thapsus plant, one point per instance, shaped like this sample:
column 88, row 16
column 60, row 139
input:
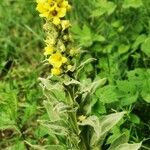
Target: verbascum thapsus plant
column 72, row 123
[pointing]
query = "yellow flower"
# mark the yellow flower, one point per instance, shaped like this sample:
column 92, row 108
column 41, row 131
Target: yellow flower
column 56, row 14
column 65, row 24
column 42, row 7
column 56, row 71
column 63, row 3
column 52, row 9
column 56, row 60
column 48, row 50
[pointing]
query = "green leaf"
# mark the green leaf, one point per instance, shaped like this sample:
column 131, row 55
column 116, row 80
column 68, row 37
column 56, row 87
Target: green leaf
column 53, row 114
column 107, row 94
column 103, row 6
column 101, row 126
column 17, row 146
column 82, row 35
column 98, row 38
column 55, row 129
column 128, row 99
column 146, row 95
column 127, row 92
column 139, row 40
column 104, row 125
column 109, row 7
column 132, row 3
column 123, row 48
column 127, row 146
column 86, row 62
column 121, row 139
column 134, row 118
column 53, row 91
column 99, row 108
column 146, row 46
column 86, row 37
column 143, row 84
column 91, row 87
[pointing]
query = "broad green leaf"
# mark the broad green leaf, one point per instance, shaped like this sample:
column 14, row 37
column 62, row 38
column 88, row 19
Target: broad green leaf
column 86, row 62
column 121, row 139
column 123, row 48
column 107, row 94
column 109, row 121
column 139, row 40
column 127, row 146
column 29, row 111
column 115, row 134
column 92, row 121
column 146, row 46
column 86, row 37
column 109, row 7
column 105, row 124
column 72, row 82
column 103, row 6
column 17, row 146
column 143, row 84
column 101, row 125
column 132, row 3
column 53, row 91
column 82, row 35
column 128, row 99
column 98, row 38
column 127, row 92
column 146, row 95
column 134, row 118
column 98, row 12
column 56, row 129
column 116, row 23
column 54, row 115
column 91, row 87
column 99, row 108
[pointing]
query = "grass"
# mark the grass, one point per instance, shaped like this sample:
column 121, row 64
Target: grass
column 20, row 66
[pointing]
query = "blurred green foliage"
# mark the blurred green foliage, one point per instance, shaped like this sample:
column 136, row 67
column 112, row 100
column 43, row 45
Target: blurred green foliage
column 116, row 33
column 21, row 54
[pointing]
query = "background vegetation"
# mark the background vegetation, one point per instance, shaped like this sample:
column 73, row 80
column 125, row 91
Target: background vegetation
column 20, row 66
column 116, row 33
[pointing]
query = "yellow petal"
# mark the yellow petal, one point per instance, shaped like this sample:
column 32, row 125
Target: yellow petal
column 48, row 50
column 56, row 20
column 61, row 12
column 56, row 60
column 56, row 71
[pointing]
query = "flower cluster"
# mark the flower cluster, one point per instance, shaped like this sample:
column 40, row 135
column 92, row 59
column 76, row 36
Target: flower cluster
column 59, row 49
column 53, row 10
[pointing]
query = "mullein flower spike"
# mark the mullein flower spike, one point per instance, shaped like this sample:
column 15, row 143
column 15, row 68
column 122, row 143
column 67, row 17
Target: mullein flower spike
column 58, row 50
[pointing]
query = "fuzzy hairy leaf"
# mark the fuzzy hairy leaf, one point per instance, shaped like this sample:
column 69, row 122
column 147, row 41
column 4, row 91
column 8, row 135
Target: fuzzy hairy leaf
column 126, row 146
column 101, row 126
